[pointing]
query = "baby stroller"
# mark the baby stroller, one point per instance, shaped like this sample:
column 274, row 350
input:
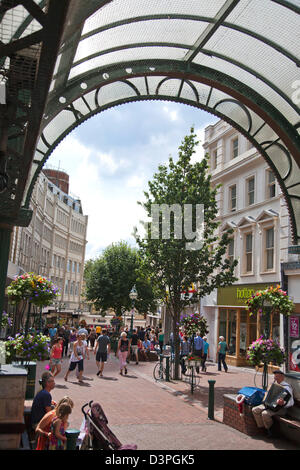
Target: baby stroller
column 97, row 433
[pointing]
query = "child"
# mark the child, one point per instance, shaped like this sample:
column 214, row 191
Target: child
column 57, row 438
column 56, row 355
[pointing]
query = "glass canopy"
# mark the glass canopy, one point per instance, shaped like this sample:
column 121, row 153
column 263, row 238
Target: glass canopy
column 238, row 59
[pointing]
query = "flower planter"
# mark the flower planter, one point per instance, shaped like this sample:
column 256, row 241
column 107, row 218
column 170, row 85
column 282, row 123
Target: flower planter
column 31, row 377
column 193, row 363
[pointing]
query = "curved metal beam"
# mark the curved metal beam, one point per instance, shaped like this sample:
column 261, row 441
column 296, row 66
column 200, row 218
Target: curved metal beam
column 204, row 19
column 246, row 96
column 207, row 52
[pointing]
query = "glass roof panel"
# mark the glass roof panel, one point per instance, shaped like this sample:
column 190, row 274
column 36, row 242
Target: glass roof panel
column 252, row 15
column 254, row 83
column 167, row 31
column 11, row 21
column 128, row 55
column 119, row 10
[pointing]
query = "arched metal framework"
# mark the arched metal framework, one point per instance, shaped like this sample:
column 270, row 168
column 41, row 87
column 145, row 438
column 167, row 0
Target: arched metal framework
column 69, row 60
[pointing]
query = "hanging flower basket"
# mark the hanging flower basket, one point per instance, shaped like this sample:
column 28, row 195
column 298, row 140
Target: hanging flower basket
column 275, row 297
column 264, row 351
column 38, row 290
column 193, row 361
column 27, row 348
column 193, row 324
column 6, row 321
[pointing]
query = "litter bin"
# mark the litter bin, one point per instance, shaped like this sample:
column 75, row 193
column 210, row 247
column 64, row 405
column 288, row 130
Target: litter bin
column 72, row 436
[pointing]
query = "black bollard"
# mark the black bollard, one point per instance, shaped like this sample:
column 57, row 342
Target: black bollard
column 72, row 435
column 211, row 399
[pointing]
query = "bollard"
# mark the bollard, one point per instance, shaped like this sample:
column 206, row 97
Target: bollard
column 211, row 399
column 72, row 435
column 167, row 368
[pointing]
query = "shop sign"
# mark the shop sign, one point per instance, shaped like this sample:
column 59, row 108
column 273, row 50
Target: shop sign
column 238, row 294
column 294, row 327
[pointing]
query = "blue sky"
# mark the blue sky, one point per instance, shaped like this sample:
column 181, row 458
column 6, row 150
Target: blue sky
column 111, row 157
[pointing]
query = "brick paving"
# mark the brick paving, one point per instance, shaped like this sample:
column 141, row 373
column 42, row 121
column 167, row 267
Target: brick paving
column 161, row 415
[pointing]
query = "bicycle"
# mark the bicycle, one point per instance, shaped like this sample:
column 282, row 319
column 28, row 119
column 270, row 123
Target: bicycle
column 159, row 371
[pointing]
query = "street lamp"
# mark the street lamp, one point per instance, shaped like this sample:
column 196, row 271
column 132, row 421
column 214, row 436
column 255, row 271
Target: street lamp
column 133, row 296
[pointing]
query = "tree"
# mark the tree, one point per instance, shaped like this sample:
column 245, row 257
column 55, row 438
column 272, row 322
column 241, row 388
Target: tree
column 171, row 264
column 110, row 278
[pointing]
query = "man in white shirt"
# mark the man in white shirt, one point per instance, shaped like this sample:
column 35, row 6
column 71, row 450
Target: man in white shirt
column 264, row 416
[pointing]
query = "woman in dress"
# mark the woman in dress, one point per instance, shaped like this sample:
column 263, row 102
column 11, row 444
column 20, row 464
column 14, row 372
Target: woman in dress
column 57, row 439
column 43, row 428
column 123, row 352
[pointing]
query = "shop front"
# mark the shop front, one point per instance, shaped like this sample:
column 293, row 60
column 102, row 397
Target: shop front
column 238, row 327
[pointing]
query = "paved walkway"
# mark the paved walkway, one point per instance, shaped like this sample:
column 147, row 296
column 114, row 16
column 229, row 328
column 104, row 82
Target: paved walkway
column 161, row 416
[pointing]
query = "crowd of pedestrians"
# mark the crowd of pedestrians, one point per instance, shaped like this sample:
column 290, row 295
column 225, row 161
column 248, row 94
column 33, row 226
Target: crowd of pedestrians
column 50, row 419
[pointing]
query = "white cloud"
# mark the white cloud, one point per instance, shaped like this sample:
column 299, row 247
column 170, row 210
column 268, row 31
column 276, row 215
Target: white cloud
column 171, row 113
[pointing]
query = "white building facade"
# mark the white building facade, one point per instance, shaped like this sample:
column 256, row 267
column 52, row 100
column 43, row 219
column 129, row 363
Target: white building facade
column 251, row 203
column 54, row 245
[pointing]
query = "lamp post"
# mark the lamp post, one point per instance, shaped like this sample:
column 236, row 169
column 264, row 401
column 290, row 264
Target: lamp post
column 267, row 307
column 58, row 306
column 133, row 296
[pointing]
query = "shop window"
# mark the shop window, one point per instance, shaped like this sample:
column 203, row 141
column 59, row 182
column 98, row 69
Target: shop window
column 274, row 326
column 223, row 323
column 243, row 333
column 232, row 332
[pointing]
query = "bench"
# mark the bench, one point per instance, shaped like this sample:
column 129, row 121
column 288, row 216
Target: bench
column 289, row 425
column 286, row 426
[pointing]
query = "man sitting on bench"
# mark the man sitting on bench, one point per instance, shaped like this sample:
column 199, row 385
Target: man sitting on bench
column 264, row 416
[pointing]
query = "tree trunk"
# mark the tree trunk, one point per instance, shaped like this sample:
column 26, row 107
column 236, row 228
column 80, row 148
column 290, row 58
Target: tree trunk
column 176, row 317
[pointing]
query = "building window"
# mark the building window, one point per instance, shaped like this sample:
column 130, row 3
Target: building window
column 69, row 264
column 269, row 240
column 271, row 184
column 230, row 251
column 67, row 288
column 235, row 147
column 250, row 190
column 248, row 252
column 214, row 159
column 232, row 198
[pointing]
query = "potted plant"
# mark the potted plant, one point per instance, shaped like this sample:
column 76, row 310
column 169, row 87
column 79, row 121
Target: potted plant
column 273, row 297
column 6, row 321
column 32, row 288
column 264, row 302
column 193, row 324
column 26, row 350
column 264, row 351
column 38, row 290
column 192, row 360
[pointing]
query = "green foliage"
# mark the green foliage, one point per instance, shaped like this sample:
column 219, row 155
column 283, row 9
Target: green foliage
column 110, row 278
column 276, row 297
column 28, row 347
column 6, row 320
column 36, row 289
column 265, row 351
column 169, row 265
